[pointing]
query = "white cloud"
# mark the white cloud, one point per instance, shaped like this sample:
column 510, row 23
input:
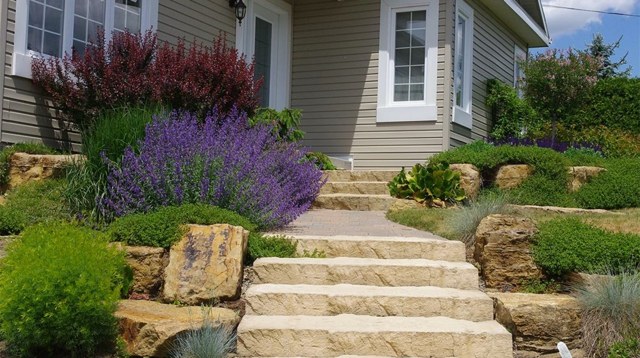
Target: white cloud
column 563, row 22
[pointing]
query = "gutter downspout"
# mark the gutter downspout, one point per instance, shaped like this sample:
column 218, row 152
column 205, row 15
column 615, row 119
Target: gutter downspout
column 4, row 10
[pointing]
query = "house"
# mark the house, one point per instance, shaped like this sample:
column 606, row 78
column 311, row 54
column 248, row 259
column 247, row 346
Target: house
column 385, row 83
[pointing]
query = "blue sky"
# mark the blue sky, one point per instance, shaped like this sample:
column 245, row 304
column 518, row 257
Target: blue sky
column 575, row 29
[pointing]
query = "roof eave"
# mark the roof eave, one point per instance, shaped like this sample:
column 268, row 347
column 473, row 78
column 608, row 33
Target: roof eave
column 520, row 22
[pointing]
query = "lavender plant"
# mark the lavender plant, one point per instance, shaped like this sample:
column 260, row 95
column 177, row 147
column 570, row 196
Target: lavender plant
column 218, row 161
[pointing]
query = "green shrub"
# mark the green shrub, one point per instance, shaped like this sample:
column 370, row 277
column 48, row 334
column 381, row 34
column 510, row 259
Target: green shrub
column 544, row 191
column 616, row 188
column 285, row 123
column 321, row 160
column 211, row 341
column 163, row 227
column 584, row 157
column 431, row 183
column 110, row 134
column 7, row 152
column 466, row 220
column 613, row 103
column 512, row 116
column 59, row 288
column 270, row 246
column 32, row 203
column 628, row 348
column 611, row 313
column 568, row 245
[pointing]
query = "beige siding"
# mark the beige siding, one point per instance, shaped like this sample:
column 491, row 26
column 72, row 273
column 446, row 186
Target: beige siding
column 202, row 20
column 335, row 82
column 493, row 57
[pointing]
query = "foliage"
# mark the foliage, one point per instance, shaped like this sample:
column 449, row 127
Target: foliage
column 584, row 156
column 132, row 70
column 603, row 52
column 285, row 123
column 8, row 151
column 568, row 245
column 611, row 313
column 212, row 340
column 321, row 160
column 163, row 227
column 538, row 286
column 109, row 136
column 430, row 183
column 466, row 220
column 59, row 287
column 628, row 348
column 220, row 162
column 270, row 246
column 616, row 188
column 32, row 203
column 513, row 117
column 544, row 191
column 613, row 103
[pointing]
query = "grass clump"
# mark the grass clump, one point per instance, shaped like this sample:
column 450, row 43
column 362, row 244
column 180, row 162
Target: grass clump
column 211, row 341
column 628, row 348
column 32, row 203
column 7, row 152
column 611, row 313
column 425, row 219
column 569, row 245
column 464, row 222
column 59, row 288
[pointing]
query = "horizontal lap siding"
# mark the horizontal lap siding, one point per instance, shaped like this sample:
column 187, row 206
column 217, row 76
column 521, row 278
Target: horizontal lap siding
column 335, row 83
column 493, row 57
column 202, row 20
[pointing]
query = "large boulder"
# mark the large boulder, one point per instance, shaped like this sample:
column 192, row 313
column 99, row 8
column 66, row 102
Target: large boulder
column 539, row 322
column 579, row 176
column 147, row 265
column 206, row 264
column 470, row 179
column 512, row 175
column 150, row 328
column 25, row 167
column 503, row 251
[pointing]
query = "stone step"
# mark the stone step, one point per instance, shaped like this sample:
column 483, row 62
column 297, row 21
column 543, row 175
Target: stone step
column 358, row 202
column 323, row 300
column 360, row 175
column 364, row 271
column 374, row 247
column 320, row 336
column 355, row 187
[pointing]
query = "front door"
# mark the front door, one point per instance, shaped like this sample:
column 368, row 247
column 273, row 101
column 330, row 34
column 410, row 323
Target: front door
column 265, row 37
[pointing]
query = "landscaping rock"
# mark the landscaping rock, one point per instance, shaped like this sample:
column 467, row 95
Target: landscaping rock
column 470, row 178
column 147, row 264
column 511, row 176
column 34, row 167
column 503, row 251
column 404, row 204
column 581, row 175
column 561, row 210
column 150, row 328
column 206, row 264
column 539, row 322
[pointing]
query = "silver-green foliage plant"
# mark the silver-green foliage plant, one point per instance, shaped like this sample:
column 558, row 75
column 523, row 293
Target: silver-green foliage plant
column 428, row 183
column 611, row 312
column 213, row 340
column 466, row 220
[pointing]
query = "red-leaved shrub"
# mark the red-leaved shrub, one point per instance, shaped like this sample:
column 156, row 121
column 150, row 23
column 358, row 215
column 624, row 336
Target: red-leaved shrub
column 135, row 70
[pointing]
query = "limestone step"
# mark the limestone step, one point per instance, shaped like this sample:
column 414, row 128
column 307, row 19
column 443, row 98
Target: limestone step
column 359, row 202
column 374, row 247
column 360, row 175
column 355, row 187
column 323, row 300
column 364, row 271
column 321, row 336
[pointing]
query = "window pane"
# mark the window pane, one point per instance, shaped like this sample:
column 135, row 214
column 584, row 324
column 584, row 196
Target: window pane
column 418, row 37
column 402, row 39
column 36, row 14
column 417, row 74
column 92, row 34
column 44, row 32
column 263, row 58
column 410, row 53
column 52, row 44
column 88, row 21
column 133, row 22
column 119, row 17
column 81, row 8
column 79, row 46
column 403, row 21
column 58, row 4
column 418, row 19
column 401, row 93
column 53, row 20
column 96, row 10
column 417, row 56
column 459, row 61
column 402, row 57
column 127, row 15
column 34, row 39
column 79, row 28
column 417, row 93
column 402, row 74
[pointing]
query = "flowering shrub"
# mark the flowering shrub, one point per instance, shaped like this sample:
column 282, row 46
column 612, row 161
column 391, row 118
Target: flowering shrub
column 220, row 162
column 84, row 85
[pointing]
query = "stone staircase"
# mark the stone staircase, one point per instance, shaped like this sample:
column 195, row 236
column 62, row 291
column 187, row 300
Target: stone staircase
column 356, row 190
column 371, row 296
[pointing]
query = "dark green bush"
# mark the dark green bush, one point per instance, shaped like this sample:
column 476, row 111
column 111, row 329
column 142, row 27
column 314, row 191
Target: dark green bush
column 584, row 156
column 285, row 123
column 32, row 203
column 568, row 245
column 59, row 288
column 629, row 348
column 613, row 103
column 269, row 246
column 163, row 227
column 541, row 190
column 617, row 188
column 512, row 116
column 321, row 160
column 6, row 152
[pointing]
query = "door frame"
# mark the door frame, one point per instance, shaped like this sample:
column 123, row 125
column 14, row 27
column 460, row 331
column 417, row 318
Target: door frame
column 245, row 43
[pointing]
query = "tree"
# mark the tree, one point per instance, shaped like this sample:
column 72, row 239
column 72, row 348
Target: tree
column 603, row 52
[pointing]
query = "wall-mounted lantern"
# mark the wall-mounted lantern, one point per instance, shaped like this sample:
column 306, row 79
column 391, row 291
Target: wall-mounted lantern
column 241, row 9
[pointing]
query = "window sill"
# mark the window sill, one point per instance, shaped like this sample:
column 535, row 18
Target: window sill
column 463, row 118
column 21, row 65
column 416, row 113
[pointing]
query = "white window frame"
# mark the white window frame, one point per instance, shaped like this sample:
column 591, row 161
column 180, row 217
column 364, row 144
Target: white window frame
column 22, row 57
column 463, row 115
column 519, row 54
column 407, row 111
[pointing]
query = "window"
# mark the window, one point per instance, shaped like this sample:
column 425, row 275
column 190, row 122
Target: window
column 462, row 73
column 407, row 63
column 55, row 27
column 518, row 73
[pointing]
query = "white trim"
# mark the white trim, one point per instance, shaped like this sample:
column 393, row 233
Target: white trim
column 462, row 115
column 519, row 54
column 22, row 58
column 522, row 13
column 387, row 109
column 280, row 89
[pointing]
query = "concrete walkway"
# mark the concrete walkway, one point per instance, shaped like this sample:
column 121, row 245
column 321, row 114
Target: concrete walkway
column 353, row 223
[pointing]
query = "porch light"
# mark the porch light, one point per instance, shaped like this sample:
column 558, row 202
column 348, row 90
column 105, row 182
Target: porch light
column 241, row 9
